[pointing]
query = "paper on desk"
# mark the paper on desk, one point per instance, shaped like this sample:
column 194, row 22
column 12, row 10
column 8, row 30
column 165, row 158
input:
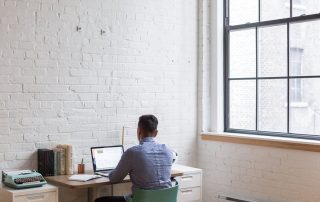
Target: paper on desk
column 83, row 178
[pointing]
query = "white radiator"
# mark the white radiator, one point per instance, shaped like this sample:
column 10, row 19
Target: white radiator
column 223, row 198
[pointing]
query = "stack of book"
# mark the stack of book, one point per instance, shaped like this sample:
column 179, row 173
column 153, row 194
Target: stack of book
column 57, row 161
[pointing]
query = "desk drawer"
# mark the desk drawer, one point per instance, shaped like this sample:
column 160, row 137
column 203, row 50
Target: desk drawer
column 122, row 189
column 189, row 194
column 189, row 180
column 37, row 197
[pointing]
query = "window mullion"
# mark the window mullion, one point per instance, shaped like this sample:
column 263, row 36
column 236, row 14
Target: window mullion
column 257, row 83
column 290, row 8
column 226, row 65
column 288, row 79
column 259, row 11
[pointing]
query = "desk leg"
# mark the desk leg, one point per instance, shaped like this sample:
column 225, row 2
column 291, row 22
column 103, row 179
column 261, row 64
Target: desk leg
column 91, row 194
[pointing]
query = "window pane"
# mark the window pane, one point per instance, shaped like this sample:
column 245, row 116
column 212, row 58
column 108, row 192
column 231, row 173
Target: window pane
column 243, row 104
column 307, row 7
column 295, row 91
column 272, row 110
column 272, row 51
column 304, row 48
column 305, row 115
column 243, row 11
column 243, row 53
column 274, row 9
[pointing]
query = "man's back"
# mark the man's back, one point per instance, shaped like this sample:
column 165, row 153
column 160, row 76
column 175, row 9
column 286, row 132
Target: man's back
column 152, row 165
column 149, row 165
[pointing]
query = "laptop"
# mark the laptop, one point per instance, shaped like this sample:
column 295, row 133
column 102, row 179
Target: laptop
column 105, row 159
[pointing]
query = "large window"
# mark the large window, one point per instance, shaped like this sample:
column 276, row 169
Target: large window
column 272, row 67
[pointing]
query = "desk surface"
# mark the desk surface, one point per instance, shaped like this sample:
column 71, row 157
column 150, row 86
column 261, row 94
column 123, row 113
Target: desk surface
column 62, row 180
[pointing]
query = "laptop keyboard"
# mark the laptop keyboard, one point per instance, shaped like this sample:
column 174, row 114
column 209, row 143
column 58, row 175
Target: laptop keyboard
column 103, row 173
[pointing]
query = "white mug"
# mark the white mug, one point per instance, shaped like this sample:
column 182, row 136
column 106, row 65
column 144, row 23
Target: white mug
column 174, row 157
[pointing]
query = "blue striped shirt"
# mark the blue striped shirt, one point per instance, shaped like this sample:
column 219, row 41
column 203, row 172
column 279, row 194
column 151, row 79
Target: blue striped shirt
column 148, row 164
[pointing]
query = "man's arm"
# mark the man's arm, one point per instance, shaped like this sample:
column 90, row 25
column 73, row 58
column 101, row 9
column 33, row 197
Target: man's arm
column 123, row 168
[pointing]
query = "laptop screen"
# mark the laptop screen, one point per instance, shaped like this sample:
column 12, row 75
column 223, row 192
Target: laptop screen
column 106, row 158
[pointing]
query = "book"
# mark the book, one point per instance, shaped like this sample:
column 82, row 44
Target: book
column 69, row 160
column 55, row 162
column 46, row 162
column 83, row 177
column 58, row 161
column 62, row 161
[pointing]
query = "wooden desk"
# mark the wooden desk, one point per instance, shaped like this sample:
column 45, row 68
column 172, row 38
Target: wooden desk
column 90, row 185
column 63, row 180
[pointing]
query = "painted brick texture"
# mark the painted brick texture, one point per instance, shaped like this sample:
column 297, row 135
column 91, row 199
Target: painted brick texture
column 60, row 85
column 259, row 173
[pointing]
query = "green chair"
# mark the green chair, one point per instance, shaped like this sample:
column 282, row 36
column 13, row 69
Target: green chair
column 159, row 195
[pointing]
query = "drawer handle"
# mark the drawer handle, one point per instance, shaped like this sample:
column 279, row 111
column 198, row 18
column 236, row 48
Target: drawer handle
column 186, row 191
column 186, row 177
column 35, row 197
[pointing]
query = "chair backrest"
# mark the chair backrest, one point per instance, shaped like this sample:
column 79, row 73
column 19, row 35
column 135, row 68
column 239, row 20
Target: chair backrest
column 159, row 195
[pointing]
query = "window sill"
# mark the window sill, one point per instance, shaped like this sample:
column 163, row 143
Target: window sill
column 265, row 141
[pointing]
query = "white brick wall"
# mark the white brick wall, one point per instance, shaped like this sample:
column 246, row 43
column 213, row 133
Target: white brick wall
column 251, row 172
column 259, row 173
column 58, row 85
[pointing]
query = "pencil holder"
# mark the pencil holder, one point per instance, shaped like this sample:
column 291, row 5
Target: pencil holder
column 80, row 168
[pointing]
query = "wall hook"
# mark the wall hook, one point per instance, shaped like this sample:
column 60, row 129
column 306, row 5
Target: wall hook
column 79, row 29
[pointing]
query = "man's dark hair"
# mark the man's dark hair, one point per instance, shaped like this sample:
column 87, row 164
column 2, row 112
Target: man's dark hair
column 148, row 123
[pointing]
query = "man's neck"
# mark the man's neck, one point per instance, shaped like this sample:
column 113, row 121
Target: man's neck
column 147, row 139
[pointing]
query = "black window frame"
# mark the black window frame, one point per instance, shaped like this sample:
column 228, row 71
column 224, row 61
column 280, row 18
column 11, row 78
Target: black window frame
column 255, row 25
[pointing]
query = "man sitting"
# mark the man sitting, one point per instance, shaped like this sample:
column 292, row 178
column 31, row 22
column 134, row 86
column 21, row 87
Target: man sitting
column 148, row 164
